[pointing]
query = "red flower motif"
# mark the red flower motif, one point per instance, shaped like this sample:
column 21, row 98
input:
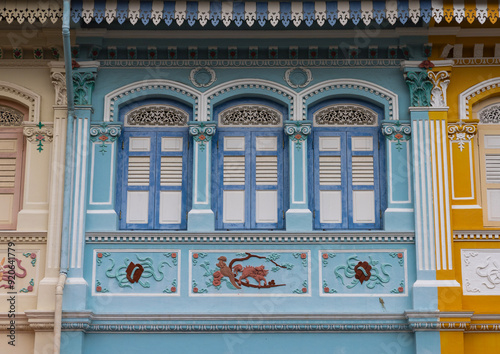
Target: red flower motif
column 195, row 290
column 94, row 53
column 38, row 52
column 426, row 64
column 216, row 282
column 325, row 255
column 398, row 136
column 174, row 255
column 400, row 289
column 98, row 289
column 195, row 255
column 233, row 53
column 40, row 137
column 353, row 54
column 298, row 136
column 103, row 138
column 192, row 54
column 400, row 255
column 131, row 53
column 304, row 290
column 30, row 288
column 202, row 137
column 326, row 289
column 253, row 54
column 212, row 54
column 152, row 54
column 313, row 54
column 33, row 255
column 303, row 255
column 293, row 53
column 273, row 53
column 217, row 275
column 99, row 255
column 362, row 270
column 112, row 54
column 172, row 54
column 173, row 289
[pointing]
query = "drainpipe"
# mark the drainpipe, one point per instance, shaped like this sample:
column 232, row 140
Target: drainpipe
column 68, row 177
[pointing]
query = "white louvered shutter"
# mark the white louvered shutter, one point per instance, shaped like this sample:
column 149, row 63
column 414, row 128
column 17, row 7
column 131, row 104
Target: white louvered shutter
column 363, row 188
column 234, row 189
column 171, row 177
column 267, row 165
column 11, row 145
column 330, row 180
column 138, row 194
column 491, row 163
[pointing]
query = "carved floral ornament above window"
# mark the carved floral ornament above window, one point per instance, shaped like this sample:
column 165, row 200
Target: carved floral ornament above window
column 10, row 116
column 250, row 115
column 345, row 114
column 156, row 115
column 490, row 114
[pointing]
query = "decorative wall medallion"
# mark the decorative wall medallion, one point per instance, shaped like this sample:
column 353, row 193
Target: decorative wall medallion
column 18, row 271
column 38, row 134
column 10, row 116
column 440, row 80
column 250, row 115
column 397, row 132
column 462, row 133
column 298, row 131
column 157, row 115
column 105, row 133
column 202, row 132
column 363, row 273
column 490, row 114
column 420, row 88
column 342, row 114
column 136, row 272
column 249, row 273
column 202, row 77
column 298, row 77
column 481, row 271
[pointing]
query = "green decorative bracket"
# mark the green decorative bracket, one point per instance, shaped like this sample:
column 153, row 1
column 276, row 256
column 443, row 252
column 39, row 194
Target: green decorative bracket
column 397, row 132
column 105, row 133
column 298, row 131
column 420, row 87
column 38, row 134
column 202, row 132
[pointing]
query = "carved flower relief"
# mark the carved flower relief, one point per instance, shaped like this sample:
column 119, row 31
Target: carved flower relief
column 345, row 115
column 362, row 270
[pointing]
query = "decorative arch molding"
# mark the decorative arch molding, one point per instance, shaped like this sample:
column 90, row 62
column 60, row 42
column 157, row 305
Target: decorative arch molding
column 474, row 94
column 24, row 96
column 351, row 87
column 148, row 88
column 262, row 88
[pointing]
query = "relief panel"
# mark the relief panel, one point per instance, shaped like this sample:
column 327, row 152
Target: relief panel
column 480, row 271
column 363, row 273
column 19, row 271
column 136, row 272
column 249, row 273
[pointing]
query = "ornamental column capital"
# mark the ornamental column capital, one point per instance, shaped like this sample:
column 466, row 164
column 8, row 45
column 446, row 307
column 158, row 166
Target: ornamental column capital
column 440, row 81
column 420, row 87
column 298, row 130
column 461, row 132
column 105, row 133
column 83, row 84
column 202, row 132
column 396, row 131
column 58, row 79
column 39, row 134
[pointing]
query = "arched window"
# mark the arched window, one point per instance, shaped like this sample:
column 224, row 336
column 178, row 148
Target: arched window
column 12, row 116
column 346, row 164
column 249, row 164
column 154, row 164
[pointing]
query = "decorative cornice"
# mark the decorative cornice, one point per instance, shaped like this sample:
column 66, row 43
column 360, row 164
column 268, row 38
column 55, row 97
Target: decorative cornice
column 440, row 81
column 252, row 238
column 83, row 83
column 397, row 132
column 480, row 235
column 39, row 134
column 22, row 237
column 202, row 132
column 420, row 88
column 298, row 131
column 461, row 132
column 59, row 82
column 105, row 133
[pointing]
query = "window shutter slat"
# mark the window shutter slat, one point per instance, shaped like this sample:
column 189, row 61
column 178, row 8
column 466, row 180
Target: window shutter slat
column 234, row 170
column 492, row 168
column 171, row 171
column 138, row 170
column 266, row 170
column 362, row 170
column 330, row 170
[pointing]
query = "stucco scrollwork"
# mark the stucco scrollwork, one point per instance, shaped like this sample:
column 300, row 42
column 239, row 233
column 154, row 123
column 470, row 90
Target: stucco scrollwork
column 158, row 115
column 345, row 114
column 59, row 82
column 461, row 133
column 10, row 116
column 250, row 115
column 440, row 80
